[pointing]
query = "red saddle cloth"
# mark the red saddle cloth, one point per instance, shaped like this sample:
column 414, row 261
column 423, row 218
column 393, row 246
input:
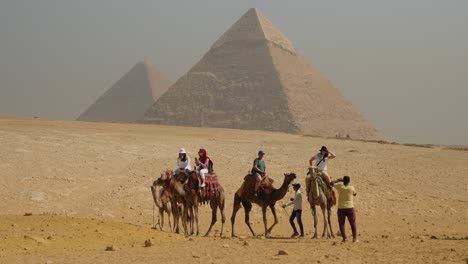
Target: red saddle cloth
column 211, row 186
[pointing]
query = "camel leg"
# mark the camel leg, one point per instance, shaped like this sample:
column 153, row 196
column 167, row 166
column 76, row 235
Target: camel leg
column 214, row 208
column 175, row 213
column 223, row 216
column 236, row 207
column 273, row 211
column 314, row 214
column 265, row 222
column 161, row 218
column 329, row 222
column 185, row 220
column 168, row 211
column 196, row 218
column 191, row 215
column 247, row 208
column 325, row 223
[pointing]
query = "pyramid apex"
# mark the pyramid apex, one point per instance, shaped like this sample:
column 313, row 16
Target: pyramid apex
column 144, row 63
column 252, row 26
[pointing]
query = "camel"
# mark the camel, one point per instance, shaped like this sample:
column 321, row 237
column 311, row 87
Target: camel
column 167, row 181
column 163, row 204
column 246, row 197
column 188, row 191
column 189, row 186
column 316, row 196
column 216, row 201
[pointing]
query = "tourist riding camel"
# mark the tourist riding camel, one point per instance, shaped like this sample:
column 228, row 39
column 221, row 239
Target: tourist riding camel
column 205, row 165
column 183, row 162
column 244, row 197
column 318, row 194
column 322, row 163
column 259, row 169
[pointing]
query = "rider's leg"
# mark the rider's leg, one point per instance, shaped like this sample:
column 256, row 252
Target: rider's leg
column 202, row 175
column 258, row 179
column 326, row 178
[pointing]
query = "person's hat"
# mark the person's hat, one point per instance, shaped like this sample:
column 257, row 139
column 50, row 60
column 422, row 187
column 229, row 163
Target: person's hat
column 324, row 148
column 261, row 152
column 182, row 151
column 296, row 184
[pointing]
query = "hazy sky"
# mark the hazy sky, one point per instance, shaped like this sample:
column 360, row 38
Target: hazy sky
column 402, row 63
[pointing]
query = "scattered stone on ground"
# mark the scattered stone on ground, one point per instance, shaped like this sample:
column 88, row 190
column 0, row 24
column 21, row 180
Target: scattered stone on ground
column 149, row 243
column 111, row 248
column 282, row 252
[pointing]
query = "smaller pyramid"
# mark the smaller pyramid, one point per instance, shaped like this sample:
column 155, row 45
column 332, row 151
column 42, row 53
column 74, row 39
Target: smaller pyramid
column 128, row 100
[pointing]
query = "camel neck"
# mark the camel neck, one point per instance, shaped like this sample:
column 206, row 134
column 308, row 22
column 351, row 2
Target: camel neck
column 281, row 192
column 179, row 188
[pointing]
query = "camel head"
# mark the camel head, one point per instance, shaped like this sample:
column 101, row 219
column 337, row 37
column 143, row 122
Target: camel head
column 312, row 172
column 289, row 177
column 159, row 182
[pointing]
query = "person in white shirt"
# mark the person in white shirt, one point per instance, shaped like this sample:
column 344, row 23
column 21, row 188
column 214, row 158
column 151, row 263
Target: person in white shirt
column 297, row 210
column 322, row 163
column 183, row 162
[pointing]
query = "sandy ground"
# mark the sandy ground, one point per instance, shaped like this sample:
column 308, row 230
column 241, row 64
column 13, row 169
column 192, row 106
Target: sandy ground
column 87, row 187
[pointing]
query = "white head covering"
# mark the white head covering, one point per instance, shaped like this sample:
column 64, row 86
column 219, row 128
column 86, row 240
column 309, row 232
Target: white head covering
column 182, row 151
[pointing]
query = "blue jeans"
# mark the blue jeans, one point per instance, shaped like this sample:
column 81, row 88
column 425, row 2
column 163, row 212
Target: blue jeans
column 296, row 214
column 178, row 170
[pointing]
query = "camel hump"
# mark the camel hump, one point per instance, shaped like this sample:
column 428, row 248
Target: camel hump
column 267, row 185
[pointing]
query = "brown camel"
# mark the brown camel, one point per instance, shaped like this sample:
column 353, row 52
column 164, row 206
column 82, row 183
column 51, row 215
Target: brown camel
column 316, row 196
column 187, row 188
column 167, row 181
column 216, row 201
column 162, row 201
column 246, row 197
column 190, row 186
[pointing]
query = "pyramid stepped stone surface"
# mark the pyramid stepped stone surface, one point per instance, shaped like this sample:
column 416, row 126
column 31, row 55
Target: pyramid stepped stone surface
column 130, row 98
column 253, row 78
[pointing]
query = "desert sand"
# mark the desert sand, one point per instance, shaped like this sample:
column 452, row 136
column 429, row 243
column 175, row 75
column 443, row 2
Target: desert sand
column 87, row 187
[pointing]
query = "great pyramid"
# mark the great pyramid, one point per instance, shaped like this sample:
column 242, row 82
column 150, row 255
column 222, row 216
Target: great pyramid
column 129, row 98
column 253, row 78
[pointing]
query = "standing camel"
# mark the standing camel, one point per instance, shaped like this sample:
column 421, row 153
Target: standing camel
column 188, row 186
column 162, row 201
column 188, row 191
column 246, row 197
column 167, row 181
column 216, row 201
column 316, row 196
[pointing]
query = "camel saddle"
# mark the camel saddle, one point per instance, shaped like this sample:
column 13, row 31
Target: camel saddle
column 329, row 193
column 248, row 186
column 211, row 189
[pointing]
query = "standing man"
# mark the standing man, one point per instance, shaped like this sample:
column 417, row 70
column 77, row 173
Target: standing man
column 259, row 169
column 322, row 162
column 297, row 210
column 346, row 206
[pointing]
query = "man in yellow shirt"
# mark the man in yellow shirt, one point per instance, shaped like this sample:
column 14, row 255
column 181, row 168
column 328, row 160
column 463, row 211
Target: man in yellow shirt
column 346, row 193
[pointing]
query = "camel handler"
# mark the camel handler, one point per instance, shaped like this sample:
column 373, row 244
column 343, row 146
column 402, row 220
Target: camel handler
column 259, row 169
column 322, row 163
column 297, row 210
column 346, row 206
